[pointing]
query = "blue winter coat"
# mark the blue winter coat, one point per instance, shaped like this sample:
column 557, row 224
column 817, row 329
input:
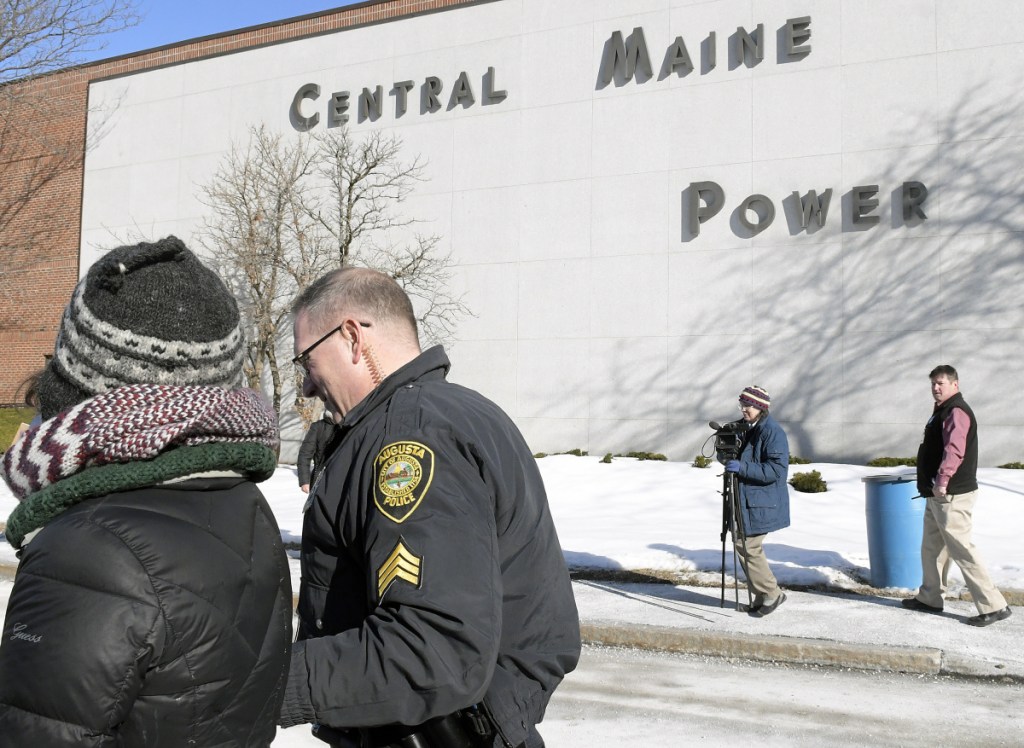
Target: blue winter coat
column 764, row 468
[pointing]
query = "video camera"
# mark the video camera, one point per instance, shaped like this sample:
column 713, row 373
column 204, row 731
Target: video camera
column 728, row 439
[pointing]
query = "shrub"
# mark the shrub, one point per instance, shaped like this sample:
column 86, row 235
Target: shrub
column 893, row 462
column 1013, row 466
column 811, row 482
column 701, row 461
column 607, row 458
column 10, row 420
column 645, row 456
column 574, row 452
column 794, row 460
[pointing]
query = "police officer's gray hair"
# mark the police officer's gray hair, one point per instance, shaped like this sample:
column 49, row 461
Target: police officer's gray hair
column 357, row 291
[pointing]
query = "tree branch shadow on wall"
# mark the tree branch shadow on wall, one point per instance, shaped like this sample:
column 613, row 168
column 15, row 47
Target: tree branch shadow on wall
column 857, row 335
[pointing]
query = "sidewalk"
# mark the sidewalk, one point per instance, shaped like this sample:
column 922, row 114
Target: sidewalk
column 809, row 628
column 827, row 629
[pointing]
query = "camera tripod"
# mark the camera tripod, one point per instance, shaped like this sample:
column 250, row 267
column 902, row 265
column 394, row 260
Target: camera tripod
column 728, row 445
column 732, row 523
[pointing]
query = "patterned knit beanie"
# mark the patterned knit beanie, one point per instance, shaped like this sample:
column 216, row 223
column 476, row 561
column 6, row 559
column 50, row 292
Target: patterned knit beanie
column 756, row 396
column 145, row 314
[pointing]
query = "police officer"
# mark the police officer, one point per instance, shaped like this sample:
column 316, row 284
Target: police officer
column 435, row 607
column 313, row 450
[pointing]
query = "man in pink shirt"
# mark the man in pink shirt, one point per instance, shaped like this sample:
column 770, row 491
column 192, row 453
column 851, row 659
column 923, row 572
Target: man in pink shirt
column 947, row 474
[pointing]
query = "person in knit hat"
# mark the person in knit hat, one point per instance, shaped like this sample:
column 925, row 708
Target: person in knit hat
column 146, row 314
column 152, row 602
column 761, row 469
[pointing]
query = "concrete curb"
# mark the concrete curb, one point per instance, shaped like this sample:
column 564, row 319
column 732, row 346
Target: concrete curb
column 968, row 667
column 778, row 649
column 791, row 650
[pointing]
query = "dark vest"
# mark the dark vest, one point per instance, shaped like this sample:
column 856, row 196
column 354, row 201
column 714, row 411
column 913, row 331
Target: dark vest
column 929, row 454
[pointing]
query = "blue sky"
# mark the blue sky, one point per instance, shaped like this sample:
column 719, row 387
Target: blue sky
column 168, row 21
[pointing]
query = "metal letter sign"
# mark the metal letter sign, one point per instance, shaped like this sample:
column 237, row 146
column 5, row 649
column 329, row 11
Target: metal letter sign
column 714, row 197
column 702, row 201
column 812, row 206
column 764, row 216
column 863, row 201
column 914, row 193
column 300, row 122
column 622, row 60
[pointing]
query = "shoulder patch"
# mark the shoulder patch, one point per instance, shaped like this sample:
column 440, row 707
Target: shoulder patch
column 401, row 564
column 404, row 472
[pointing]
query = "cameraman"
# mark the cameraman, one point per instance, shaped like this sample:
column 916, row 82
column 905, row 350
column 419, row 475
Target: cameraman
column 761, row 472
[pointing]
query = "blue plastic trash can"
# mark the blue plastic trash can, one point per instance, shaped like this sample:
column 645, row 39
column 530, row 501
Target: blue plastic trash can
column 895, row 515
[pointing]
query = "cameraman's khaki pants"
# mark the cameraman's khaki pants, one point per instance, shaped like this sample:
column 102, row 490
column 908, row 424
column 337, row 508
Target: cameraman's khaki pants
column 760, row 580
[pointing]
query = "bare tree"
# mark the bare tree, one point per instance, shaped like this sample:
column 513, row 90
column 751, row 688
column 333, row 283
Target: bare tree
column 367, row 183
column 289, row 208
column 39, row 158
column 41, row 36
column 361, row 210
column 258, row 236
column 423, row 271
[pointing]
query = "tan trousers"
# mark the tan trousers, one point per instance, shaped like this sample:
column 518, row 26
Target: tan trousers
column 947, row 538
column 760, row 581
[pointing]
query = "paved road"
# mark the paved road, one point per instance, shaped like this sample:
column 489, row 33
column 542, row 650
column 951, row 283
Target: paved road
column 636, row 698
column 646, row 699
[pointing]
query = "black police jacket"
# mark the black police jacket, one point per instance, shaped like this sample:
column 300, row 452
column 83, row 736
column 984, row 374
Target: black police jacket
column 432, row 576
column 313, row 450
column 158, row 617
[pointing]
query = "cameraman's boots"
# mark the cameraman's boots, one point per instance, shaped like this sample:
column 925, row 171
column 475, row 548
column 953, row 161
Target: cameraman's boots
column 770, row 606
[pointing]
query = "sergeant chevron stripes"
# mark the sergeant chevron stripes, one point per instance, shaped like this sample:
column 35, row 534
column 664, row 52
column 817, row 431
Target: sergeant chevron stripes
column 401, row 564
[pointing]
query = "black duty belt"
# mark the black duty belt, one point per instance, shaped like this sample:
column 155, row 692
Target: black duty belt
column 466, row 728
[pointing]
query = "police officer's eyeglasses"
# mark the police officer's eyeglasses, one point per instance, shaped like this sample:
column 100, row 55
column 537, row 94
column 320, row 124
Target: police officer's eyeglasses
column 302, row 360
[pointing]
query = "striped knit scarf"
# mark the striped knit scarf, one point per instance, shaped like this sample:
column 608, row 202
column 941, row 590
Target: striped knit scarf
column 134, row 436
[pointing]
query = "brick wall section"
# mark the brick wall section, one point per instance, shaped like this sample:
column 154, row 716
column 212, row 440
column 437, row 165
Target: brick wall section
column 41, row 174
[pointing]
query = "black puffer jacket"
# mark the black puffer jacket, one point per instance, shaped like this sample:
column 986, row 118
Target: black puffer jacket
column 154, row 617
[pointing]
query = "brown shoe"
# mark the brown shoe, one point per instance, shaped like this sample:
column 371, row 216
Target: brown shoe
column 912, row 603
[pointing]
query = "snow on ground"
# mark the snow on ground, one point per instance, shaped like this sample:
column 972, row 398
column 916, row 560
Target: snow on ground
column 667, row 516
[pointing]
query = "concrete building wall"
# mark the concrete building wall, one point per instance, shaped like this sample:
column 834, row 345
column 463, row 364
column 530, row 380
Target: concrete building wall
column 603, row 321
